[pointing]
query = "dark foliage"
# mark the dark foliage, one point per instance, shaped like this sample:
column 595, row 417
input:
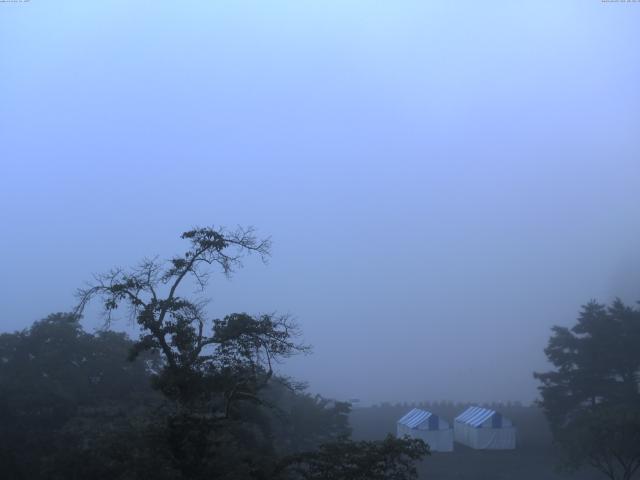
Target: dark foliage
column 592, row 398
column 389, row 459
column 57, row 383
column 197, row 399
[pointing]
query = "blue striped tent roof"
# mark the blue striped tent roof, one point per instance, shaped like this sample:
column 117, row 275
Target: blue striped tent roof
column 415, row 418
column 475, row 416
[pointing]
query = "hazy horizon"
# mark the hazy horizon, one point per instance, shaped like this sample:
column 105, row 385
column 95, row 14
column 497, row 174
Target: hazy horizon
column 443, row 182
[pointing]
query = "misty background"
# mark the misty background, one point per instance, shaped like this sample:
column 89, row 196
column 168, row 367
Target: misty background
column 443, row 181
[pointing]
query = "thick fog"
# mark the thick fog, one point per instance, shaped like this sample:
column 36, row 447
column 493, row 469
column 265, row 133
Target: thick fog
column 442, row 181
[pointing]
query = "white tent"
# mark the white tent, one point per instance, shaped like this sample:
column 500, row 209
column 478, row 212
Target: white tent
column 484, row 429
column 430, row 428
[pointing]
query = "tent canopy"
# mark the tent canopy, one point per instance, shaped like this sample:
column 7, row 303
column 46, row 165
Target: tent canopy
column 423, row 420
column 478, row 416
column 430, row 428
column 483, row 428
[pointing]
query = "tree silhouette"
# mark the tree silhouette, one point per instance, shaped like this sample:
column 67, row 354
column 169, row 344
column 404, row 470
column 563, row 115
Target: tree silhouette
column 592, row 398
column 218, row 376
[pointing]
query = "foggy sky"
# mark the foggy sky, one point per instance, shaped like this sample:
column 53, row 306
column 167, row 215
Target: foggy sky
column 443, row 181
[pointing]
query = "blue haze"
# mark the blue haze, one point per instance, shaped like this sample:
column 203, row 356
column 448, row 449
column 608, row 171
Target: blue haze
column 443, row 181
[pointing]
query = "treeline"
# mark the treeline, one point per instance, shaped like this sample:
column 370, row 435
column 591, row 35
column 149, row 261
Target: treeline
column 192, row 398
column 195, row 398
column 73, row 406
